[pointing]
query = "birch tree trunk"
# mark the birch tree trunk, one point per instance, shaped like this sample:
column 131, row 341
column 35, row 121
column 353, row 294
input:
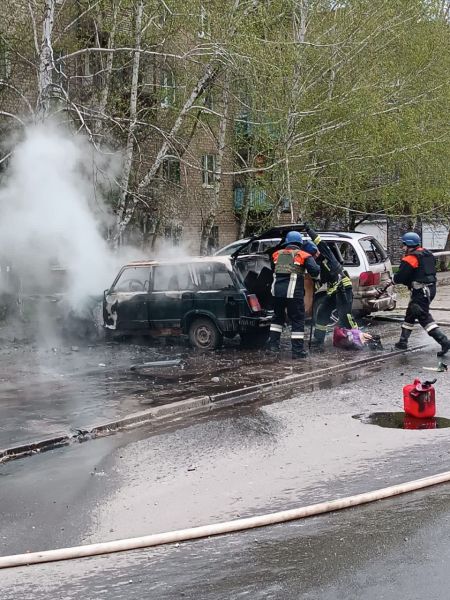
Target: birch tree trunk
column 210, row 220
column 244, row 212
column 209, row 74
column 129, row 150
column 46, row 64
column 104, row 92
column 299, row 24
column 126, row 212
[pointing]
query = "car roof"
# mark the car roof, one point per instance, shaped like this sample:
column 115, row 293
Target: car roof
column 279, row 231
column 179, row 261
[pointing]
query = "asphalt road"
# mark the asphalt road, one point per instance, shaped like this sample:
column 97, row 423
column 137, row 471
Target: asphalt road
column 240, row 462
column 394, row 549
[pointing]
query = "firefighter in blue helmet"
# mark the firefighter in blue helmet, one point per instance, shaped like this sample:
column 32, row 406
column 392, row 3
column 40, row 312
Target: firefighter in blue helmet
column 290, row 263
column 418, row 272
column 339, row 290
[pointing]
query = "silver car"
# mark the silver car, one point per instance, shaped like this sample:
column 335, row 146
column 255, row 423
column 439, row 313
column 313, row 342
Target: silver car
column 361, row 255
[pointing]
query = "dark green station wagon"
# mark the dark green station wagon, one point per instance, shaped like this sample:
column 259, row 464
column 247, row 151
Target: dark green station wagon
column 205, row 298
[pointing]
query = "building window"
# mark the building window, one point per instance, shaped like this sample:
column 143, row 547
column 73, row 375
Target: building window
column 209, row 170
column 257, row 199
column 285, row 204
column 167, row 89
column 171, row 170
column 5, row 64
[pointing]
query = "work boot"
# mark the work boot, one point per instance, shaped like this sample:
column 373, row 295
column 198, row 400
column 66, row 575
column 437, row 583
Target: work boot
column 402, row 343
column 317, row 345
column 299, row 354
column 440, row 337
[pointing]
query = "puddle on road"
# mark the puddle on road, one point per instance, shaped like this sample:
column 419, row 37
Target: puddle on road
column 399, row 420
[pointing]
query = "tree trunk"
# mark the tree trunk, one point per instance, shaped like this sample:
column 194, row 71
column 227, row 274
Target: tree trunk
column 104, row 92
column 210, row 220
column 129, row 150
column 46, row 64
column 244, row 213
column 126, row 212
column 299, row 24
column 209, row 74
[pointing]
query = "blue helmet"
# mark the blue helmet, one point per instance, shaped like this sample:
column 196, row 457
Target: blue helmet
column 294, row 236
column 310, row 248
column 411, row 239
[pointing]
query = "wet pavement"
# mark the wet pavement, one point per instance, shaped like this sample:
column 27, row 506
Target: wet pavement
column 238, row 462
column 267, row 455
column 57, row 388
column 394, row 549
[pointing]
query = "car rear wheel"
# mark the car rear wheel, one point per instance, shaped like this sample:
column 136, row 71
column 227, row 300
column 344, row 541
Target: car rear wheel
column 203, row 334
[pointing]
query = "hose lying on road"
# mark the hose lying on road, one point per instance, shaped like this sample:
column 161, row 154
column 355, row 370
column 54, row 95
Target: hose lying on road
column 192, row 533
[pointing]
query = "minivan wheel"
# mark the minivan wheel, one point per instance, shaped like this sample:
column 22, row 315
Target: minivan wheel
column 204, row 334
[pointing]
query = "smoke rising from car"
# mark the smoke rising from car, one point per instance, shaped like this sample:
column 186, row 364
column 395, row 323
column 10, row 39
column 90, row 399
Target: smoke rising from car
column 53, row 212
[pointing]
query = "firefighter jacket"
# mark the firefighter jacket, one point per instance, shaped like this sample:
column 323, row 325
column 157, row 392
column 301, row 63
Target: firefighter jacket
column 331, row 270
column 417, row 267
column 290, row 265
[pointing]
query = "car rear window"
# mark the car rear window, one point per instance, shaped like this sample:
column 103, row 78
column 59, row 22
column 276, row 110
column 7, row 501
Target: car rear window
column 374, row 251
column 345, row 253
column 133, row 279
column 211, row 276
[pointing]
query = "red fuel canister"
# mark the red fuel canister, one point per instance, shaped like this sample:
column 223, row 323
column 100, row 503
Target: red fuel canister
column 419, row 399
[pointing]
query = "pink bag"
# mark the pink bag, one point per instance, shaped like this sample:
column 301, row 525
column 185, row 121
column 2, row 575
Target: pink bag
column 350, row 339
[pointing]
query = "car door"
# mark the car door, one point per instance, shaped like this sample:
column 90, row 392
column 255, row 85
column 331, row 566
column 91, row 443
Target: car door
column 218, row 292
column 125, row 304
column 172, row 295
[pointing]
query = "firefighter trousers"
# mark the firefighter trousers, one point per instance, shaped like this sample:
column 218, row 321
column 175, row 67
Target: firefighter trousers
column 295, row 308
column 341, row 299
column 419, row 309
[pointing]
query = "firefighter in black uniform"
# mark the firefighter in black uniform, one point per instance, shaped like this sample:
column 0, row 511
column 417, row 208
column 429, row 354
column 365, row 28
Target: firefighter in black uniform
column 290, row 264
column 339, row 291
column 418, row 272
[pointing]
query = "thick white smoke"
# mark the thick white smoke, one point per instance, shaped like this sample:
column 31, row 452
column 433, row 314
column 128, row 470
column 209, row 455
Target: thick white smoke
column 51, row 213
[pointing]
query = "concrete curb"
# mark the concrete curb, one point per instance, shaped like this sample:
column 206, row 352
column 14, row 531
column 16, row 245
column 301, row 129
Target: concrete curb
column 395, row 319
column 192, row 406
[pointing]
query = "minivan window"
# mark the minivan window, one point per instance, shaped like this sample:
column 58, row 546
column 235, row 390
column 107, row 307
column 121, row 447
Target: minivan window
column 211, row 276
column 346, row 252
column 374, row 251
column 133, row 279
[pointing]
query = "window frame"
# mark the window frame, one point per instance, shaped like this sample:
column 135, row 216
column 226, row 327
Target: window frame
column 146, row 282
column 209, row 163
column 171, row 170
column 167, row 86
column 378, row 250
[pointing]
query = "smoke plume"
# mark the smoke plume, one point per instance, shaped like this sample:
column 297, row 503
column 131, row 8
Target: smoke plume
column 52, row 214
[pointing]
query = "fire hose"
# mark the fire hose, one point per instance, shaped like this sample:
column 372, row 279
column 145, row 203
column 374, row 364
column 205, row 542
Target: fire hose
column 192, row 533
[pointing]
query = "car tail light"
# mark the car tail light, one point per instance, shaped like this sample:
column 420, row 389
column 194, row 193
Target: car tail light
column 369, row 278
column 254, row 302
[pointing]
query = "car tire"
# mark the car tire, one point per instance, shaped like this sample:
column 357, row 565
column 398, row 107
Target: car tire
column 204, row 335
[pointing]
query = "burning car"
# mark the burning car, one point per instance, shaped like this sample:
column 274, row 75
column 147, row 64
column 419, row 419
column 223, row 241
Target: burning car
column 205, row 298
